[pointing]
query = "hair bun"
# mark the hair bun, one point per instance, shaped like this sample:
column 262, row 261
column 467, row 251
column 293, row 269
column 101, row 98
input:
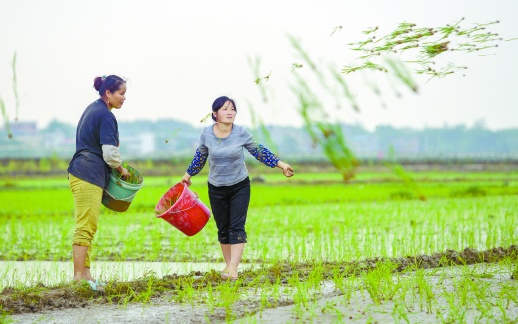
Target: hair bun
column 97, row 83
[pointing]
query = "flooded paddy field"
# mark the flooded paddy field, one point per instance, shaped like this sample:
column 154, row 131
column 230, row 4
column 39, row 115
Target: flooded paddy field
column 52, row 273
column 319, row 250
column 456, row 293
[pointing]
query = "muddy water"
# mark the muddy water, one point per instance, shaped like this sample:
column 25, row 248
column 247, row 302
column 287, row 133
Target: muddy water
column 49, row 273
column 330, row 304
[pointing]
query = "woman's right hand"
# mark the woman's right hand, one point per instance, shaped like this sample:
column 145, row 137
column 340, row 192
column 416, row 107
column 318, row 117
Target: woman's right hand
column 187, row 179
column 124, row 173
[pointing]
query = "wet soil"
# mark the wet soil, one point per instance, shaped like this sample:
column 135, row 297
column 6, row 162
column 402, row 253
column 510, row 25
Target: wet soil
column 140, row 296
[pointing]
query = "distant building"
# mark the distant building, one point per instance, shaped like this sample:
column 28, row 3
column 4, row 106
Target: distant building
column 138, row 145
column 24, row 129
column 25, row 142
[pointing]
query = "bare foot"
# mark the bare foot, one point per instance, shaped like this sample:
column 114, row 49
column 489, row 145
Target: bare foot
column 229, row 274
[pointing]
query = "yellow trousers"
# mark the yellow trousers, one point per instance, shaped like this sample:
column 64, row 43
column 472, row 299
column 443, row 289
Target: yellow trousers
column 87, row 207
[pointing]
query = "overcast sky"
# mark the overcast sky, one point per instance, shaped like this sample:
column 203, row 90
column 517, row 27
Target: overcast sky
column 178, row 56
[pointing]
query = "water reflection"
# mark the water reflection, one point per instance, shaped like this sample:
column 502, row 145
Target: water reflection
column 49, row 273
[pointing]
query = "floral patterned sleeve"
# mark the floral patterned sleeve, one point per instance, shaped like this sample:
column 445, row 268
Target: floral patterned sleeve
column 197, row 164
column 263, row 155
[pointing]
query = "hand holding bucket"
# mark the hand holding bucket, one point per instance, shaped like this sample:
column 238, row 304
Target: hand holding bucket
column 183, row 209
column 119, row 193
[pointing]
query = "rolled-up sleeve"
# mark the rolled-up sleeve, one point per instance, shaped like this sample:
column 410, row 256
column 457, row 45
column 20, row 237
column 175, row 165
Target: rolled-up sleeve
column 111, row 156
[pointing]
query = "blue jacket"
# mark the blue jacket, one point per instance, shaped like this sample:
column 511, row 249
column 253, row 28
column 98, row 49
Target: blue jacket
column 97, row 127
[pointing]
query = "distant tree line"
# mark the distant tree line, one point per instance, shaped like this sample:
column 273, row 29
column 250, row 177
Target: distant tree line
column 172, row 138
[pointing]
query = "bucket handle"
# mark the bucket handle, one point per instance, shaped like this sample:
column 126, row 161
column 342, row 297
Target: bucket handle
column 195, row 203
column 124, row 199
column 179, row 211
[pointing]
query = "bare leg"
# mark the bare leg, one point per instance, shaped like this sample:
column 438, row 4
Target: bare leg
column 88, row 275
column 79, row 255
column 236, row 252
column 225, row 248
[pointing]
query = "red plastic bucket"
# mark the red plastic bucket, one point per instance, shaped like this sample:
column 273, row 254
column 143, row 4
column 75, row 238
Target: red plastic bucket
column 182, row 208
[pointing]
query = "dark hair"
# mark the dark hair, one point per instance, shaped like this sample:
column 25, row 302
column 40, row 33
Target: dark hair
column 219, row 102
column 110, row 82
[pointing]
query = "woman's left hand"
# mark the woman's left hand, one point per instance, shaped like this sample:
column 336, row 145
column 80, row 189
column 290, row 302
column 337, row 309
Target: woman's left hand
column 124, row 173
column 286, row 169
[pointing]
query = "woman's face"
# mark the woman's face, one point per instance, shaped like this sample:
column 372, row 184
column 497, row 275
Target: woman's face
column 226, row 114
column 117, row 98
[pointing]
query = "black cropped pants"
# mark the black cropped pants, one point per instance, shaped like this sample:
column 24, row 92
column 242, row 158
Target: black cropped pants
column 229, row 206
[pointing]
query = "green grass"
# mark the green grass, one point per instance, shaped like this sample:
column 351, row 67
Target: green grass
column 301, row 232
column 314, row 217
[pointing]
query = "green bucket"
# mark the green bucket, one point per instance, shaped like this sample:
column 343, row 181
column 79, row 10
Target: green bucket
column 119, row 194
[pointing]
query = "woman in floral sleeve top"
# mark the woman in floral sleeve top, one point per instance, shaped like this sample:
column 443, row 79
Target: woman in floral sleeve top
column 229, row 185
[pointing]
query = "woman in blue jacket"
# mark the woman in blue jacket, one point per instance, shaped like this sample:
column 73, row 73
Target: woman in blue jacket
column 97, row 153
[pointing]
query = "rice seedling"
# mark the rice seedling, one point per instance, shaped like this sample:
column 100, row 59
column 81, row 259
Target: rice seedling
column 400, row 313
column 16, row 100
column 327, row 135
column 15, row 87
column 376, row 53
column 255, row 65
column 425, row 291
column 427, row 42
column 6, row 118
column 135, row 177
column 173, row 135
column 352, row 251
